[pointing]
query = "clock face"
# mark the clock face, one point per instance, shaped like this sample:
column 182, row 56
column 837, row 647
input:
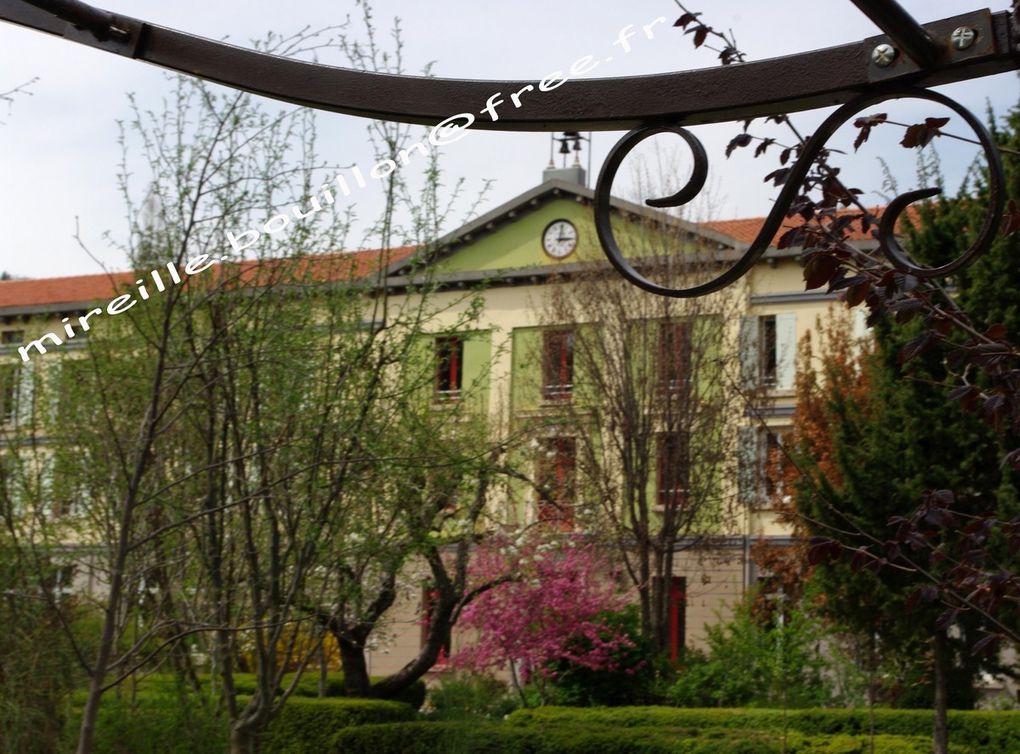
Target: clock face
column 559, row 239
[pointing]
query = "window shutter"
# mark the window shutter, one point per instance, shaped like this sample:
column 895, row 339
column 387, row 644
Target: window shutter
column 860, row 315
column 748, row 472
column 25, row 393
column 749, row 375
column 786, row 351
column 477, row 365
column 527, row 368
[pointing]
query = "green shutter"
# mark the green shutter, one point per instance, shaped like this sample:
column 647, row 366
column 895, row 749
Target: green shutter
column 477, row 367
column 707, row 436
column 526, row 369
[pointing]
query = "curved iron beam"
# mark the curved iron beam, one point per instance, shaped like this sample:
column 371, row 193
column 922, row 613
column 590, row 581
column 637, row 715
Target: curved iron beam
column 782, row 85
column 792, row 188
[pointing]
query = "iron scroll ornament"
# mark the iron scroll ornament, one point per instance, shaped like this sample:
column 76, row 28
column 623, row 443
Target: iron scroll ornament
column 890, row 247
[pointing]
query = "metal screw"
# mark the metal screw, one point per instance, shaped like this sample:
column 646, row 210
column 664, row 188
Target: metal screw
column 884, row 55
column 963, row 37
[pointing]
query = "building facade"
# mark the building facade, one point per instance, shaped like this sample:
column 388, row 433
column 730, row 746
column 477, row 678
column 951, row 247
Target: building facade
column 519, row 260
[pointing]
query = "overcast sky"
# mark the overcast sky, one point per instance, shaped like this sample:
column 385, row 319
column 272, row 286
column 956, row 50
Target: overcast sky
column 58, row 147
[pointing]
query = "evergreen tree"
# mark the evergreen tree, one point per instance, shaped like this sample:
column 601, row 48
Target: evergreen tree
column 902, row 438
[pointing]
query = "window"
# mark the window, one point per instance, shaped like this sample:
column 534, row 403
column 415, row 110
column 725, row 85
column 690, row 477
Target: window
column 63, row 582
column 672, row 469
column 557, row 364
column 8, row 392
column 674, row 355
column 449, row 367
column 11, row 337
column 756, row 477
column 767, row 350
column 555, row 477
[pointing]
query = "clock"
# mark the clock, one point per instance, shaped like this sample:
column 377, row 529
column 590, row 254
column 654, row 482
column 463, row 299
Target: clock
column 559, row 239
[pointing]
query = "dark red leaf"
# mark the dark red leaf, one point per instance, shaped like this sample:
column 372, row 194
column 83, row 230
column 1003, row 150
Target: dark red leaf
column 921, row 134
column 914, row 348
column 1011, row 220
column 947, row 619
column 785, row 156
column 860, row 559
column 857, row 293
column 986, row 645
column 791, row 239
column 996, row 332
column 819, row 270
column 685, row 19
column 822, row 550
column 866, row 124
column 778, row 177
column 741, row 140
column 700, row 35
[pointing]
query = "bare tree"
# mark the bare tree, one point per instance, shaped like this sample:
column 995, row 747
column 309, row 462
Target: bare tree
column 653, row 410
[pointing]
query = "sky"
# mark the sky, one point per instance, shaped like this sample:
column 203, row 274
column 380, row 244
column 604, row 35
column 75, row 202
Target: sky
column 59, row 152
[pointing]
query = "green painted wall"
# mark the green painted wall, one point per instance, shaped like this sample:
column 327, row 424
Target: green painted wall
column 519, row 243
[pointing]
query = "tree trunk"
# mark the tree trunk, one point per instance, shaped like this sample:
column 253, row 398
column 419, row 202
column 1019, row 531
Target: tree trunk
column 941, row 733
column 241, row 739
column 440, row 626
column 352, row 657
column 323, row 670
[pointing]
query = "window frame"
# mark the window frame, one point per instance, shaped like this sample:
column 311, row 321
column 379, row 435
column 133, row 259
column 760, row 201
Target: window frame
column 11, row 338
column 452, row 371
column 558, row 347
column 665, row 486
column 556, row 472
column 673, row 363
column 768, row 350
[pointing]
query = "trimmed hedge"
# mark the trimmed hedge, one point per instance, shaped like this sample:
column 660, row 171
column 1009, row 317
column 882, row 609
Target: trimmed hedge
column 308, row 686
column 162, row 723
column 157, row 723
column 981, row 731
column 309, row 725
column 494, row 738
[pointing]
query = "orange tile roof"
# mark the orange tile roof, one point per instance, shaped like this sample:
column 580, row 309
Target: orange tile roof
column 101, row 287
column 746, row 229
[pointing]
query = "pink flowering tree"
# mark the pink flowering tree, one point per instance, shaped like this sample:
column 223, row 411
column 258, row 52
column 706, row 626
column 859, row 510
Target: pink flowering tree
column 549, row 611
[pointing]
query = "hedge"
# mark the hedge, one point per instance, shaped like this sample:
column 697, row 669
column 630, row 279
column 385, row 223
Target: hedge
column 308, row 686
column 309, row 725
column 162, row 723
column 494, row 738
column 981, row 731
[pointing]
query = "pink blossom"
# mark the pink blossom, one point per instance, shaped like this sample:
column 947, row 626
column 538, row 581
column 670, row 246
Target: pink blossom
column 548, row 612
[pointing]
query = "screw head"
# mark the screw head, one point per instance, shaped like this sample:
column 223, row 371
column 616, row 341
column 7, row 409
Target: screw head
column 963, row 37
column 884, row 55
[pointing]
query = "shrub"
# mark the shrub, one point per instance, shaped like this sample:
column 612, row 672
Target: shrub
column 755, row 662
column 308, row 725
column 466, row 695
column 580, row 738
column 981, row 731
column 162, row 722
column 631, row 679
column 494, row 738
column 308, row 686
column 159, row 721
